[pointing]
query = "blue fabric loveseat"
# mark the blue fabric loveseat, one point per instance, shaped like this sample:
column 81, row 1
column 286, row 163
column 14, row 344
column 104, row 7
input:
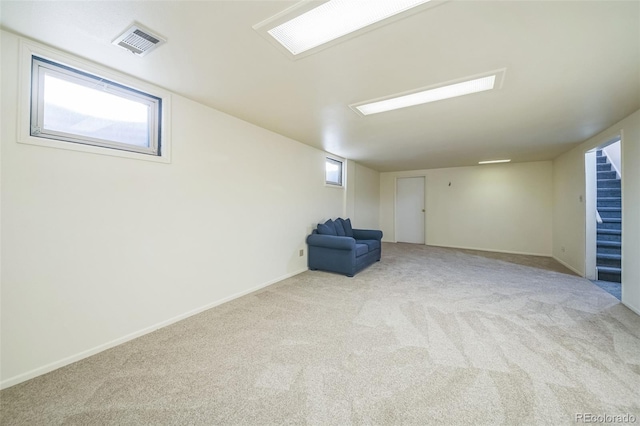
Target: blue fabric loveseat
column 336, row 247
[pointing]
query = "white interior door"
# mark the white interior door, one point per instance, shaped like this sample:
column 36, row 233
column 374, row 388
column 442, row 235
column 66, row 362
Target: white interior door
column 410, row 210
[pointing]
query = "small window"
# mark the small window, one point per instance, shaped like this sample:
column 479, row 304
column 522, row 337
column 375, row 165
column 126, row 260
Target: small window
column 73, row 106
column 333, row 172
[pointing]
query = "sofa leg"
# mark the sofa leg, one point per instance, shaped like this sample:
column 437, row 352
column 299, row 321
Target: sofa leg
column 350, row 276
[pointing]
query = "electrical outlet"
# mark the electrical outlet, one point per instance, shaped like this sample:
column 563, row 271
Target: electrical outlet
column 301, row 252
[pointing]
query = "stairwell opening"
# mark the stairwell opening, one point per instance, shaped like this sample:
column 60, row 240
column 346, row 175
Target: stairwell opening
column 604, row 216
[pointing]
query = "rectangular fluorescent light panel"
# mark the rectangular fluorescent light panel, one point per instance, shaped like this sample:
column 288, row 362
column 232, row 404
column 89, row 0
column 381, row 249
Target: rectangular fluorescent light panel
column 430, row 95
column 335, row 19
column 493, row 161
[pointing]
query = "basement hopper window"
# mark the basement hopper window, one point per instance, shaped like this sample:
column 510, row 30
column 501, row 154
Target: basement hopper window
column 333, row 172
column 70, row 105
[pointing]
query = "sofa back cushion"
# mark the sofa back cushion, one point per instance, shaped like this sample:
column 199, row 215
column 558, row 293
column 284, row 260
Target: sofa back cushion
column 325, row 230
column 339, row 228
column 346, row 224
column 332, row 226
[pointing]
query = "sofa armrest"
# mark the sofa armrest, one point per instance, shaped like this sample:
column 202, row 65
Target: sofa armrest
column 367, row 234
column 331, row 241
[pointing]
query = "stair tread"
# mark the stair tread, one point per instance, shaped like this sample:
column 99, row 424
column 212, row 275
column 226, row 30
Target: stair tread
column 611, row 219
column 609, row 231
column 609, row 243
column 609, row 256
column 610, row 209
column 610, row 269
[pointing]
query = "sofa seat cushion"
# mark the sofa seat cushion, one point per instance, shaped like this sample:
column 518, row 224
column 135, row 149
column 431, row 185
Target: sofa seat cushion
column 372, row 244
column 361, row 249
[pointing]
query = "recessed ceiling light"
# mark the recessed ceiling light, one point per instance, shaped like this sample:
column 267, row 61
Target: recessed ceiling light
column 488, row 81
column 493, row 161
column 332, row 20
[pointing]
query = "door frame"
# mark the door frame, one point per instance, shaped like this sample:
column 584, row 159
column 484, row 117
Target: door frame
column 590, row 205
column 590, row 195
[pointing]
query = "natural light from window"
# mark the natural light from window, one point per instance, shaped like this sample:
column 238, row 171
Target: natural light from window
column 333, row 172
column 73, row 108
column 332, row 168
column 102, row 104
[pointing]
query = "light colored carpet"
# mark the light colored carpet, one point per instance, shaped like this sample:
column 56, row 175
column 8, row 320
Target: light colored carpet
column 426, row 336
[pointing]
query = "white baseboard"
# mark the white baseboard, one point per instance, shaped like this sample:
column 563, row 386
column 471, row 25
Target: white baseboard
column 85, row 354
column 633, row 308
column 566, row 265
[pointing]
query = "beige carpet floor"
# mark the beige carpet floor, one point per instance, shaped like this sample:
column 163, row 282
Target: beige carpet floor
column 426, row 336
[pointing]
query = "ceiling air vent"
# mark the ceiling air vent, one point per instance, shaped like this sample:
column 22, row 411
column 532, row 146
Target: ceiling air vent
column 138, row 41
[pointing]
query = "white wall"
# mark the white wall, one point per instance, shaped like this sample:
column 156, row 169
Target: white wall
column 367, row 198
column 569, row 211
column 501, row 207
column 99, row 249
column 350, row 190
column 362, row 196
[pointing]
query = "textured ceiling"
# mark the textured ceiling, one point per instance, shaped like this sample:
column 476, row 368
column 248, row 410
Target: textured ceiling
column 572, row 70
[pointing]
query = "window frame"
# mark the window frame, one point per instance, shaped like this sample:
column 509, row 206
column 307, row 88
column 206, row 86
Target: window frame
column 83, row 70
column 332, row 183
column 42, row 67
